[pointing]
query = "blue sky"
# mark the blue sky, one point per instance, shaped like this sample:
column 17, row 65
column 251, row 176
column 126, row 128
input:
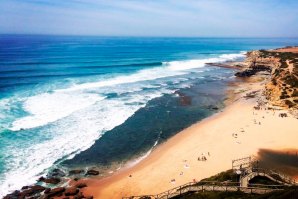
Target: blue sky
column 206, row 18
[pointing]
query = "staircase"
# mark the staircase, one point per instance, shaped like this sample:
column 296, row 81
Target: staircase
column 250, row 173
column 208, row 186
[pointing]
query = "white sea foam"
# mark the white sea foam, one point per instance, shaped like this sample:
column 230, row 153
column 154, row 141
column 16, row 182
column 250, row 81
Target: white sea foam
column 168, row 69
column 73, row 134
column 197, row 63
column 50, row 107
column 143, row 75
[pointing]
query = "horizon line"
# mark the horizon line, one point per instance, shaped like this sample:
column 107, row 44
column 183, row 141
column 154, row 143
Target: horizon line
column 145, row 36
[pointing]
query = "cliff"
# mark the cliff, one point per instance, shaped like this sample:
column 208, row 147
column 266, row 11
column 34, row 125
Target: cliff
column 281, row 67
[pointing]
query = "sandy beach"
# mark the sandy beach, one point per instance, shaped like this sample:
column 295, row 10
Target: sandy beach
column 237, row 131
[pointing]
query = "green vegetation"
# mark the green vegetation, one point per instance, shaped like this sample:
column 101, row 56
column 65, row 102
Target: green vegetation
column 288, row 193
column 216, row 195
column 291, row 80
column 228, row 175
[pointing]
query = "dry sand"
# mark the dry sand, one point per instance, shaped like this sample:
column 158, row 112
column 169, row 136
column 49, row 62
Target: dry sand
column 178, row 157
column 290, row 49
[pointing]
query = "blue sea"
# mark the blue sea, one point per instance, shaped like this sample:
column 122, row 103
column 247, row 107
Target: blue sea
column 69, row 101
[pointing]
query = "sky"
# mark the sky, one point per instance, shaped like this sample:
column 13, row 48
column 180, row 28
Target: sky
column 181, row 18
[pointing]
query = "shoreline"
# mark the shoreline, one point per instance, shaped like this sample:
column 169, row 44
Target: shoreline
column 175, row 162
column 251, row 124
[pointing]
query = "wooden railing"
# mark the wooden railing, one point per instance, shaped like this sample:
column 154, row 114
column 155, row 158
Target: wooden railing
column 209, row 186
column 276, row 176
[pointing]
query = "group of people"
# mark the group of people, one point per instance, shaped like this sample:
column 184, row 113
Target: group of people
column 203, row 157
column 282, row 115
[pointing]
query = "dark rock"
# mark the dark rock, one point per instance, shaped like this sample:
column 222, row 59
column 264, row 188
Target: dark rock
column 25, row 187
column 13, row 195
column 71, row 191
column 47, row 190
column 213, row 107
column 79, row 196
column 56, row 192
column 37, row 188
column 246, row 73
column 92, row 172
column 25, row 193
column 56, row 173
column 49, row 180
column 81, row 185
column 32, row 190
column 76, row 172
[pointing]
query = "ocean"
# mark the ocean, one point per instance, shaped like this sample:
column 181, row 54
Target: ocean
column 78, row 101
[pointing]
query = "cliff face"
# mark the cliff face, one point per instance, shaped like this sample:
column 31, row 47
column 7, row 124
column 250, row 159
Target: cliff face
column 282, row 69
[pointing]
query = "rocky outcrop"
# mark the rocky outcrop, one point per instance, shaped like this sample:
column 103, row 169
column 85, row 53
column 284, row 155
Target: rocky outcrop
column 282, row 70
column 53, row 186
column 49, row 180
column 27, row 191
column 92, row 172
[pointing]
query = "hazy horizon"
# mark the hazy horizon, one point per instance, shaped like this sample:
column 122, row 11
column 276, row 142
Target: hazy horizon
column 170, row 18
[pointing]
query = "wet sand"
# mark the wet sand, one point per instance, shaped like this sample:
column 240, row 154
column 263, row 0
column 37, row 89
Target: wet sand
column 238, row 131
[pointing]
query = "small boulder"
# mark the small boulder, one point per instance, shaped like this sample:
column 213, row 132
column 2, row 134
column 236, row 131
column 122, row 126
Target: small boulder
column 75, row 172
column 92, row 172
column 13, row 195
column 47, row 190
column 49, row 180
column 37, row 188
column 56, row 173
column 25, row 194
column 81, row 185
column 25, row 187
column 56, row 192
column 71, row 191
column 79, row 196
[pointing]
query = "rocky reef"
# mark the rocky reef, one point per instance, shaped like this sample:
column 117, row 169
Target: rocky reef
column 57, row 184
column 281, row 68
